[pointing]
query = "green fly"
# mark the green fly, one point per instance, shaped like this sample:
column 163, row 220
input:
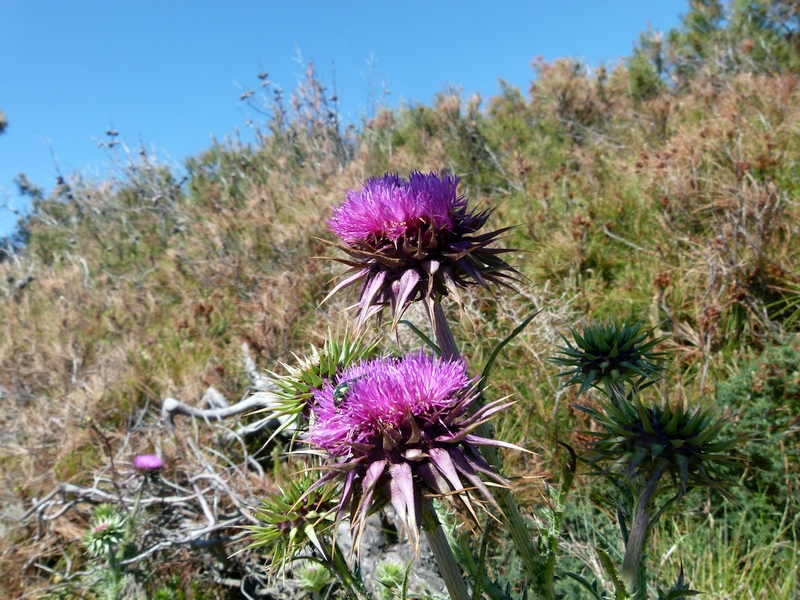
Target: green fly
column 340, row 391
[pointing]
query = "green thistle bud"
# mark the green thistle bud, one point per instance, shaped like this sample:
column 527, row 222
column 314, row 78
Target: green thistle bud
column 295, row 520
column 390, row 573
column 652, row 441
column 610, row 355
column 309, row 373
column 107, row 531
column 313, row 578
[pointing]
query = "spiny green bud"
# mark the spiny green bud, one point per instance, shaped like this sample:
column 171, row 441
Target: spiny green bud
column 293, row 521
column 309, row 373
column 107, row 531
column 390, row 573
column 651, row 441
column 610, row 355
column 312, row 577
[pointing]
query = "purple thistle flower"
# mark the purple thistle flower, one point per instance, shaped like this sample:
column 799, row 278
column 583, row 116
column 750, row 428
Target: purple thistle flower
column 414, row 240
column 148, row 463
column 396, row 428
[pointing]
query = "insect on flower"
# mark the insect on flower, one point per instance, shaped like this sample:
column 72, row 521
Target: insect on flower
column 340, row 391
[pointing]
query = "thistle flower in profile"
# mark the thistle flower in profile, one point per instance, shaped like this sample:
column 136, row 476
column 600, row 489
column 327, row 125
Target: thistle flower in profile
column 414, row 239
column 397, row 428
column 148, row 463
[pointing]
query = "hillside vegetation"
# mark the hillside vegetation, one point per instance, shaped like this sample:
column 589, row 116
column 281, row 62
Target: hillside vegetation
column 664, row 188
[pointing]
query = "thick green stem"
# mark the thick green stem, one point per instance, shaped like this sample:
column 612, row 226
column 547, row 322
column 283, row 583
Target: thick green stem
column 113, row 570
column 638, row 535
column 351, row 582
column 527, row 550
column 448, row 567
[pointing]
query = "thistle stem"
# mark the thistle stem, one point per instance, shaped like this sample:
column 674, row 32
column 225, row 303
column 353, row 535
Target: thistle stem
column 528, row 552
column 129, row 522
column 113, row 569
column 559, row 502
column 448, row 567
column 638, row 534
column 352, row 583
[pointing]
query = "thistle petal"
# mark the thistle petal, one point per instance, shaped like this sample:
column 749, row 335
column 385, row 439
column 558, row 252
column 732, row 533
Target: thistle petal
column 402, row 496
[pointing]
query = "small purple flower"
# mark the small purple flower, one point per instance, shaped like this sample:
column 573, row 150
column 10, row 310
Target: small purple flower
column 148, row 463
column 414, row 240
column 395, row 428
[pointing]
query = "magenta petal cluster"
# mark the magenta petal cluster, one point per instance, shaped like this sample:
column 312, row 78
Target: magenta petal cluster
column 390, row 208
column 148, row 463
column 414, row 239
column 396, row 428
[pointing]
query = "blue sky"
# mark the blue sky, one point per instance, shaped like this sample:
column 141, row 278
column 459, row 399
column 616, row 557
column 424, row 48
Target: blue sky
column 168, row 74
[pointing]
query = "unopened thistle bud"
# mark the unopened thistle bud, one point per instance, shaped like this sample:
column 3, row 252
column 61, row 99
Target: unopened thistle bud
column 293, row 521
column 608, row 356
column 107, row 531
column 309, row 373
column 650, row 441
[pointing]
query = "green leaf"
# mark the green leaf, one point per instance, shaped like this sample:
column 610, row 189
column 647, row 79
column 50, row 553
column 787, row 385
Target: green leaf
column 493, row 357
column 591, row 588
column 611, row 571
column 648, row 426
column 422, row 336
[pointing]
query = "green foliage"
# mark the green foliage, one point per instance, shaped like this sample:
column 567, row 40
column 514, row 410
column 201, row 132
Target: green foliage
column 747, row 35
column 764, row 398
column 679, row 590
column 646, row 68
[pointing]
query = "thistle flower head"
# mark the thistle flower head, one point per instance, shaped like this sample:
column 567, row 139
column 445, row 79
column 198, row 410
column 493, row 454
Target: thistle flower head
column 107, row 531
column 414, row 239
column 650, row 441
column 395, row 428
column 296, row 519
column 148, row 463
column 610, row 355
